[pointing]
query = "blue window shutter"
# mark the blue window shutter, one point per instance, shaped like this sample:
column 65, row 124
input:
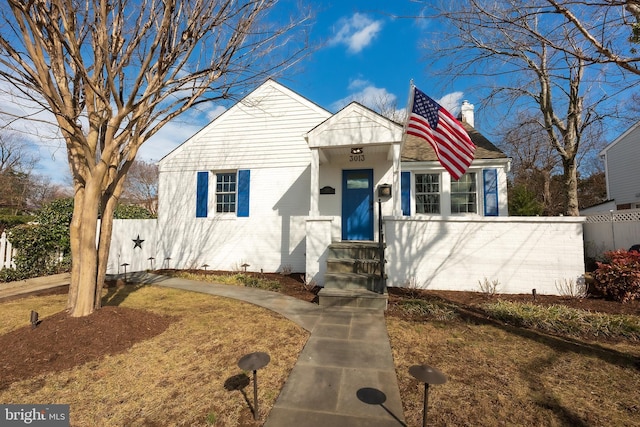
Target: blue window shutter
column 202, row 194
column 490, row 178
column 405, row 191
column 244, row 178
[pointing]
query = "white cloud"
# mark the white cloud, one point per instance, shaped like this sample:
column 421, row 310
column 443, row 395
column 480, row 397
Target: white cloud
column 366, row 94
column 356, row 32
column 451, row 102
column 215, row 112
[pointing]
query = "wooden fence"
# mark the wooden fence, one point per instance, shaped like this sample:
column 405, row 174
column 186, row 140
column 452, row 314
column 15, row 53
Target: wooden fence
column 6, row 252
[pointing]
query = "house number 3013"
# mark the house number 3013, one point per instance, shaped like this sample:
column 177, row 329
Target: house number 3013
column 356, row 158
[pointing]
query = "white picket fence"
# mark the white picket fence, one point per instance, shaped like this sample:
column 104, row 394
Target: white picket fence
column 6, row 252
column 611, row 230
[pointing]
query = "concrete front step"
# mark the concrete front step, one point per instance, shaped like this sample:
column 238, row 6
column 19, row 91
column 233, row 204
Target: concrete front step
column 354, row 250
column 328, row 297
column 355, row 281
column 365, row 266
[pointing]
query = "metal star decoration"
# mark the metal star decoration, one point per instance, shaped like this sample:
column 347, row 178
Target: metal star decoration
column 137, row 242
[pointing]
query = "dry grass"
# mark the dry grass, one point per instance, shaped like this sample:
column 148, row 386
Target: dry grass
column 509, row 376
column 178, row 377
column 15, row 313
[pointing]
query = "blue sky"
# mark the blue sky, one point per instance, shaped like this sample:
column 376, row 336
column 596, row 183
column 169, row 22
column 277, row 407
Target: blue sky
column 364, row 52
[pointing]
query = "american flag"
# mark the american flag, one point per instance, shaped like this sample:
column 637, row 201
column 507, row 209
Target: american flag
column 431, row 122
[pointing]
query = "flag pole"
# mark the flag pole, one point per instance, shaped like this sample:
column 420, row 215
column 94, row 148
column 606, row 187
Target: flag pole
column 408, row 111
column 397, row 177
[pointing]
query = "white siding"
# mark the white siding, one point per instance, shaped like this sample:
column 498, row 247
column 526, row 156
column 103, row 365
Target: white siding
column 271, row 237
column 623, row 172
column 264, row 130
column 264, row 133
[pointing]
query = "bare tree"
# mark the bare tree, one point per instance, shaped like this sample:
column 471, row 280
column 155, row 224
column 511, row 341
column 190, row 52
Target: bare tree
column 514, row 44
column 15, row 154
column 141, row 185
column 43, row 191
column 533, row 159
column 112, row 73
column 16, row 165
column 611, row 29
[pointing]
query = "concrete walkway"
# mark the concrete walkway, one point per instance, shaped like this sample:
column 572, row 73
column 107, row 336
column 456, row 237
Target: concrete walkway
column 345, row 374
column 38, row 285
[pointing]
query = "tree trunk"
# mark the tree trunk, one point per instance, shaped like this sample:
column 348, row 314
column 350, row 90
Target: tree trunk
column 84, row 278
column 571, row 186
column 546, row 189
column 104, row 244
column 74, row 243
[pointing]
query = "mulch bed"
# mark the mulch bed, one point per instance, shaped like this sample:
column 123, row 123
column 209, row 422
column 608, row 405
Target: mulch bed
column 61, row 342
column 474, row 299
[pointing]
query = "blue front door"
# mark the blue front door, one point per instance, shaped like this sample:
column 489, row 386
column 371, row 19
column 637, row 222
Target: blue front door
column 357, row 204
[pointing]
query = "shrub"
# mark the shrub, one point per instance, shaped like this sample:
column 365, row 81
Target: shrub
column 251, row 281
column 42, row 247
column 564, row 320
column 618, row 278
column 132, row 212
column 9, row 275
column 432, row 309
column 489, row 287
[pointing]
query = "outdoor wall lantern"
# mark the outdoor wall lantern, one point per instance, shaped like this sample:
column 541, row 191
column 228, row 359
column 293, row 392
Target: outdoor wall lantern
column 357, row 150
column 384, row 190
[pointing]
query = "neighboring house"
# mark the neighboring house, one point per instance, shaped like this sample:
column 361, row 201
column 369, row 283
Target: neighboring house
column 621, row 169
column 615, row 224
column 277, row 182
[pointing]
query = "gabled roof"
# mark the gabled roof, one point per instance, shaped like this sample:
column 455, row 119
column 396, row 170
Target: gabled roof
column 246, row 102
column 354, row 124
column 418, row 150
column 620, row 138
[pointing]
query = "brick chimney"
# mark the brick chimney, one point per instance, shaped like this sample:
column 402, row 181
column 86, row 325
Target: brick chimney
column 466, row 113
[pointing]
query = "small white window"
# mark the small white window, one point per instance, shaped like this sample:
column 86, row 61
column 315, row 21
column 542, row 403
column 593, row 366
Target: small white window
column 226, row 192
column 428, row 193
column 464, row 197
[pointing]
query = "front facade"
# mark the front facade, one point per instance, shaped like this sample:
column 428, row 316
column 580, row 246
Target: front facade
column 255, row 177
column 275, row 180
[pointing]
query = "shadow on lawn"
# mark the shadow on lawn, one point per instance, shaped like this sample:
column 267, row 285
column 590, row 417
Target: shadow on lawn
column 239, row 382
column 546, row 399
column 117, row 293
column 565, row 344
column 119, row 288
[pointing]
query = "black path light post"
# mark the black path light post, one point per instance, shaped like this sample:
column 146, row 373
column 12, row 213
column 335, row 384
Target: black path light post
column 427, row 375
column 151, row 262
column 125, row 271
column 253, row 362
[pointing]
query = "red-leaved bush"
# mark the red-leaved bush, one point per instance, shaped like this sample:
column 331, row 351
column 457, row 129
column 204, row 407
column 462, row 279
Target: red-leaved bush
column 618, row 278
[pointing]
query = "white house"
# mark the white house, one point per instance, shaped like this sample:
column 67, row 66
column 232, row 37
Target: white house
column 277, row 183
column 615, row 224
column 621, row 169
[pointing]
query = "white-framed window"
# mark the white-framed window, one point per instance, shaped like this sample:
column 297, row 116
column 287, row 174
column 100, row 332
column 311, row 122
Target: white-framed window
column 230, row 189
column 226, row 187
column 464, row 194
column 428, row 190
